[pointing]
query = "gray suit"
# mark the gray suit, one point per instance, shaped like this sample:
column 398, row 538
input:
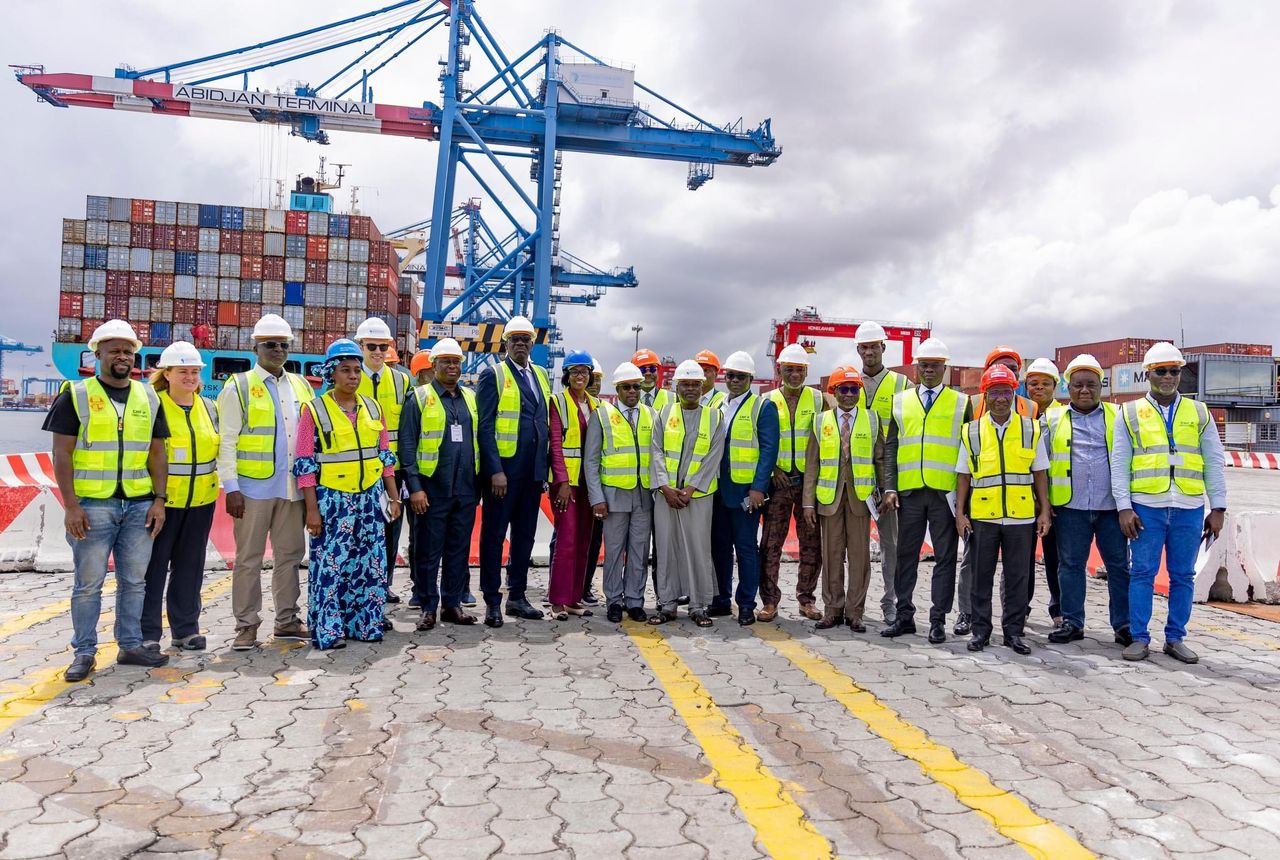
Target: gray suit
column 626, row 528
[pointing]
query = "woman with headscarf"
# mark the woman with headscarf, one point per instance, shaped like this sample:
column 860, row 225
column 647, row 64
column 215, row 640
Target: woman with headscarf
column 346, row 473
column 570, row 410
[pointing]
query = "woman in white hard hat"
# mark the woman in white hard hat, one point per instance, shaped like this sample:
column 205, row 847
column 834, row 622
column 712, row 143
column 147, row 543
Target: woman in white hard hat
column 176, row 571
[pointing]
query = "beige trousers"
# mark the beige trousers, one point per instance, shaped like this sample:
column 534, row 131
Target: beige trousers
column 846, row 534
column 285, row 522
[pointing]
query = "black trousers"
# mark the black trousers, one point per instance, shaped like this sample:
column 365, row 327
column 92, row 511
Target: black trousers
column 392, row 532
column 917, row 510
column 176, row 573
column 443, row 535
column 518, row 510
column 1017, row 545
column 1049, row 546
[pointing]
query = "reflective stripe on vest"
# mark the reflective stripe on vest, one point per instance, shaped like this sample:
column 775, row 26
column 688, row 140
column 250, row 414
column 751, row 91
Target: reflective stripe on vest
column 1160, row 461
column 431, row 432
column 714, row 398
column 928, row 445
column 861, row 449
column 624, row 455
column 673, row 444
column 1000, row 468
column 1058, row 430
column 348, row 453
column 662, row 398
column 192, row 451
column 571, row 433
column 112, row 449
column 256, row 445
column 506, row 425
column 743, row 442
column 390, row 400
column 794, row 440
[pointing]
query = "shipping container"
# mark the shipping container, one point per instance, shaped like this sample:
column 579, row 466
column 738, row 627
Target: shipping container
column 97, row 208
column 72, row 255
column 317, row 247
column 358, row 249
column 251, row 292
column 207, row 288
column 166, row 212
column 94, row 306
column 97, row 232
column 162, row 286
column 118, row 258
column 381, row 253
column 335, row 320
column 95, row 280
column 254, row 220
column 295, row 246
column 142, row 211
column 314, row 297
column 335, row 296
column 275, row 220
column 231, row 217
column 209, row 216
column 182, row 331
column 88, row 326
column 117, row 283
column 359, row 226
column 381, row 300
column 337, row 272
column 1109, row 353
column 357, row 297
column 119, row 233
column 251, row 267
column 71, row 280
column 228, row 289
column 210, row 240
column 339, row 248
column 187, row 239
column 139, row 309
column 143, row 331
column 70, row 304
column 314, row 342
column 1230, row 349
column 73, row 230
column 141, row 235
column 163, row 261
column 95, row 257
column 278, row 310
column 295, row 222
column 357, row 274
column 229, row 241
column 228, row 313
column 250, row 314
column 140, row 285
column 184, row 286
column 318, row 224
column 188, row 215
column 207, row 264
column 252, row 244
column 184, row 311
column 206, row 312
column 295, row 316
column 295, row 269
column 161, row 333
column 119, row 208
column 317, row 272
column 355, row 317
column 313, row 318
column 68, row 329
column 293, row 293
column 229, row 265
column 186, row 263
column 273, row 268
column 164, row 237
column 273, row 292
column 339, row 225
column 273, row 244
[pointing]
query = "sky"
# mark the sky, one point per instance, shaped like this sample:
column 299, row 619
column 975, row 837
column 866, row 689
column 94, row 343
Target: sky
column 1038, row 174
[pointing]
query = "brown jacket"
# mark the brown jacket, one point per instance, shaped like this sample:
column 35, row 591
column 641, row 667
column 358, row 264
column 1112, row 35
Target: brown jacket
column 885, row 464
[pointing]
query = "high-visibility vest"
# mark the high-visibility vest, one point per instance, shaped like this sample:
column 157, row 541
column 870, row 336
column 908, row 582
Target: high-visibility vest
column 1024, row 406
column 624, row 455
column 793, row 439
column 431, row 432
column 743, row 443
column 111, row 449
column 571, row 440
column 928, row 445
column 881, row 404
column 1000, row 468
column 256, row 445
column 673, row 443
column 393, row 388
column 192, row 450
column 348, row 453
column 715, row 398
column 1057, row 432
column 662, row 397
column 1153, row 468
column 506, row 426
column 862, row 440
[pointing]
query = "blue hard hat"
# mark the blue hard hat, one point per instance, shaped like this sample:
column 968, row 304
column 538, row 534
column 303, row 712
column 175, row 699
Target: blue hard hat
column 342, row 348
column 576, row 357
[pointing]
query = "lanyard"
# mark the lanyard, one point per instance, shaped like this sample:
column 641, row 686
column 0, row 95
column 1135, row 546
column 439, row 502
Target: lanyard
column 1168, row 423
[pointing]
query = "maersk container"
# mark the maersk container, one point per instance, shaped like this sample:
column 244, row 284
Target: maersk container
column 97, row 208
column 95, row 280
column 210, row 216
column 273, row 292
column 358, row 251
column 71, row 280
column 72, row 255
column 254, row 220
column 273, row 244
column 229, row 290
column 163, row 262
column 166, row 212
column 295, row 245
column 186, row 263
column 231, row 217
column 97, row 232
column 184, row 286
column 119, row 232
column 275, row 221
column 293, row 293
column 318, row 224
column 95, row 256
column 207, row 264
column 339, row 225
column 210, row 239
column 118, row 258
column 207, row 288
column 119, row 208
column 188, row 215
column 229, row 266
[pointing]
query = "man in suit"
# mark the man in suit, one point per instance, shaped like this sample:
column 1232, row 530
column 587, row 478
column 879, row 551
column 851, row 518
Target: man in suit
column 512, row 397
column 751, row 433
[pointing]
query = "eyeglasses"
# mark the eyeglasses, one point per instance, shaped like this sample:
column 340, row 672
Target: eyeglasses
column 274, row 344
column 847, row 389
column 377, row 347
column 628, row 386
column 1166, row 371
column 579, row 371
column 519, row 338
column 737, row 377
column 648, row 369
column 1000, row 395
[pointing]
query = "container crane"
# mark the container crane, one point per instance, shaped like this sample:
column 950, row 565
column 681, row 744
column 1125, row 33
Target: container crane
column 552, row 98
column 8, row 344
column 806, row 323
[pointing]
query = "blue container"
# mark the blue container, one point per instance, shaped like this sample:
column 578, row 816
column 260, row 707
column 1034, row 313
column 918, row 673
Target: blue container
column 295, row 245
column 95, row 256
column 161, row 334
column 232, row 218
column 209, row 216
column 293, row 292
column 339, row 225
column 185, row 262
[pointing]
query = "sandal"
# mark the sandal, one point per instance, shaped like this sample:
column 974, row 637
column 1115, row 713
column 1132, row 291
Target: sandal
column 559, row 613
column 702, row 619
column 579, row 610
column 661, row 617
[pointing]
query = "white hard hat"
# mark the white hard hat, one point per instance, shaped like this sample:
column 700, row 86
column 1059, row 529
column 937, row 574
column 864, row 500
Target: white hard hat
column 1083, row 361
column 272, row 325
column 180, row 354
column 517, row 325
column 794, row 354
column 596, row 369
column 742, row 362
column 1161, row 354
column 114, row 330
column 933, row 348
column 446, row 346
column 373, row 329
column 687, row 370
column 1044, row 367
column 626, row 372
column 870, row 332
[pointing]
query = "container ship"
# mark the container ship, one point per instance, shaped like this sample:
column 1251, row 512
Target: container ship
column 205, row 273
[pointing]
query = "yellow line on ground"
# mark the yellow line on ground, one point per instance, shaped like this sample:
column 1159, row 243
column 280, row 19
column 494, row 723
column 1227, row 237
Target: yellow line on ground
column 780, row 824
column 27, row 620
column 1007, row 812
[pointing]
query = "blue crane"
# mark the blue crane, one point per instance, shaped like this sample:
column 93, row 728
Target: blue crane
column 8, row 344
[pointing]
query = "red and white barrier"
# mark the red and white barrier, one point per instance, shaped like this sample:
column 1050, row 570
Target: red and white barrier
column 1248, row 460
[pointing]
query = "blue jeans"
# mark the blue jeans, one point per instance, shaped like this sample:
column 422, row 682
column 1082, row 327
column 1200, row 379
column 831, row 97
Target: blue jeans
column 735, row 532
column 117, row 527
column 1076, row 531
column 1175, row 532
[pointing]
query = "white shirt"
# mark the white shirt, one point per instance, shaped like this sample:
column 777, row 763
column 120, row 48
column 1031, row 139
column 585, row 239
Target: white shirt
column 729, row 408
column 1039, row 464
column 936, row 392
column 231, row 420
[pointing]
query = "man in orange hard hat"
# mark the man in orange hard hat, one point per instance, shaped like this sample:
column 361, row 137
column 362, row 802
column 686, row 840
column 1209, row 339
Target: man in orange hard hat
column 651, row 394
column 710, row 364
column 421, row 368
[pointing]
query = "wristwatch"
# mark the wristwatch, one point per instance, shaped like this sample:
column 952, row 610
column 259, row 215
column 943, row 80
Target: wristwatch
column 161, row 496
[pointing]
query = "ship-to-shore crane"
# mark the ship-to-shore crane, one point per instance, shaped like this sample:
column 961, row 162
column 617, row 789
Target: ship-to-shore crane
column 8, row 344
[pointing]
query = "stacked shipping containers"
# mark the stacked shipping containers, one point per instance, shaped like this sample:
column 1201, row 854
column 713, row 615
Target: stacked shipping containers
column 169, row 267
column 1109, row 353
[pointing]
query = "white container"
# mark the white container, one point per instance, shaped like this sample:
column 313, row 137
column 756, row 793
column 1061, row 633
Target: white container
column 208, row 241
column 166, row 212
column 273, row 245
column 72, row 255
column 275, row 220
column 337, row 272
column 293, row 315
column 318, row 224
column 162, row 262
column 313, row 295
column 335, row 296
column 255, row 220
column 207, row 288
column 118, row 233
column 354, row 318
column 97, row 233
column 295, row 269
column 278, row 310
column 228, row 289
column 207, row 264
column 139, row 308
column 139, row 259
column 188, row 215
column 119, row 208
column 273, row 292
column 95, row 281
column 184, row 286
column 358, row 250
column 71, row 280
column 95, row 306
column 339, row 248
column 229, row 265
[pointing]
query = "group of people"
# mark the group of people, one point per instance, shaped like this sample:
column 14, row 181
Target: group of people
column 704, row 485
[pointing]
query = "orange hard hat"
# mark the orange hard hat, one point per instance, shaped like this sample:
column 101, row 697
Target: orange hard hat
column 393, row 357
column 706, row 356
column 645, row 358
column 844, row 374
column 998, row 375
column 1003, row 352
column 421, row 361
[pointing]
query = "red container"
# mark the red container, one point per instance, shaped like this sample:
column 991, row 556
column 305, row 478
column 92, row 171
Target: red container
column 228, row 313
column 1109, row 353
column 405, row 305
column 164, row 237
column 117, row 283
column 229, row 241
column 360, row 226
column 142, row 211
column 1230, row 349
column 381, row 253
column 142, row 330
column 187, row 239
column 116, row 307
column 273, row 268
column 335, row 319
column 317, row 272
column 71, row 305
column 87, row 328
column 250, row 314
column 313, row 342
column 317, row 248
column 251, row 243
column 313, row 319
column 251, row 268
column 206, row 312
column 140, row 284
column 184, row 311
column 141, row 235
column 381, row 300
column 162, row 288
column 295, row 223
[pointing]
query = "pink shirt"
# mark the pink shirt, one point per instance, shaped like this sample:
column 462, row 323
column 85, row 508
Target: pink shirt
column 306, row 444
column 559, row 472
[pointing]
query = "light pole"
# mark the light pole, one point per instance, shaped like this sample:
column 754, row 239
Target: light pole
column 637, row 328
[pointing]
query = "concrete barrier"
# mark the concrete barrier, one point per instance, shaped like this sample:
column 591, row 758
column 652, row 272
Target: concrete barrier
column 1247, row 460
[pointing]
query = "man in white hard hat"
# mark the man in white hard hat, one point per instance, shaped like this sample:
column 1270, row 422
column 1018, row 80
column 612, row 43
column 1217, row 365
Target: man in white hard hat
column 750, row 427
column 111, row 467
column 258, row 411
column 925, row 432
column 1080, row 439
column 512, row 397
column 798, row 406
column 1041, row 381
column 684, row 466
column 1167, row 458
column 440, row 455
column 880, row 386
column 618, row 487
column 389, row 386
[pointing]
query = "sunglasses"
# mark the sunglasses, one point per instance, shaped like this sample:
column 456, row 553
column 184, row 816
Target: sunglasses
column 628, row 386
column 519, row 338
column 648, row 368
column 847, row 389
column 377, row 347
column 737, row 377
column 274, row 344
column 1166, row 371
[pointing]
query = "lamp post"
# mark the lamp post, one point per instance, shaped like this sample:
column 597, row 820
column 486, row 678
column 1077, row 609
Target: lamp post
column 637, row 328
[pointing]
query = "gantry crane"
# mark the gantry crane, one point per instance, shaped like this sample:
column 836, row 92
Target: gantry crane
column 807, row 323
column 8, row 344
column 552, row 98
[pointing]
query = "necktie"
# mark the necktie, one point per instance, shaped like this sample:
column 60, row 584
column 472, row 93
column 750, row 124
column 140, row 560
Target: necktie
column 928, row 399
column 846, row 427
column 376, row 377
column 528, row 378
column 631, row 419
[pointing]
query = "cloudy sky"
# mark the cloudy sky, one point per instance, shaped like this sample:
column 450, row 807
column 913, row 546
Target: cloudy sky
column 1035, row 173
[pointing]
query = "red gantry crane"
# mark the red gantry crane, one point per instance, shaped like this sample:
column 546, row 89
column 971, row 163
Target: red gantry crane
column 806, row 323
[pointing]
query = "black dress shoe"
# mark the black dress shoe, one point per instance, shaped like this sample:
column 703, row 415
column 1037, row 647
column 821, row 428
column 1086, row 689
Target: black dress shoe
column 1066, row 632
column 682, row 600
column 976, row 644
column 392, row 597
column 719, row 611
column 746, row 617
column 964, row 625
column 589, row 598
column 142, row 657
column 826, row 622
column 414, row 603
column 493, row 616
column 523, row 609
column 637, row 613
column 899, row 628
column 81, row 667
column 937, row 633
column 1124, row 637
column 426, row 622
column 454, row 615
column 1017, row 645
column 615, row 613
column 856, row 625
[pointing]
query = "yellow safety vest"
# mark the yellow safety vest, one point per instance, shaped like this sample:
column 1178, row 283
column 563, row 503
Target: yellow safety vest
column 1058, row 434
column 662, row 397
column 890, row 387
column 348, row 453
column 390, row 399
column 928, row 445
column 744, row 444
column 715, row 398
column 673, row 444
column 1153, row 468
column 192, row 449
column 862, row 439
column 794, row 440
column 571, row 440
column 112, row 449
column 256, row 445
column 506, row 426
column 431, row 434
column 1000, row 469
column 624, row 455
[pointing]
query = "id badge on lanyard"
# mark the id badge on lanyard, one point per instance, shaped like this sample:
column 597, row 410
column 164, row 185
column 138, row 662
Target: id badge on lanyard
column 455, row 432
column 1175, row 459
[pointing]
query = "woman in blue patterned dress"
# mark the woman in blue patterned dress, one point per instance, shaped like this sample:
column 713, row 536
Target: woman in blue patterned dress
column 344, row 467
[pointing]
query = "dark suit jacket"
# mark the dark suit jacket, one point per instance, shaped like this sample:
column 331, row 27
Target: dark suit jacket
column 768, row 434
column 529, row 463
